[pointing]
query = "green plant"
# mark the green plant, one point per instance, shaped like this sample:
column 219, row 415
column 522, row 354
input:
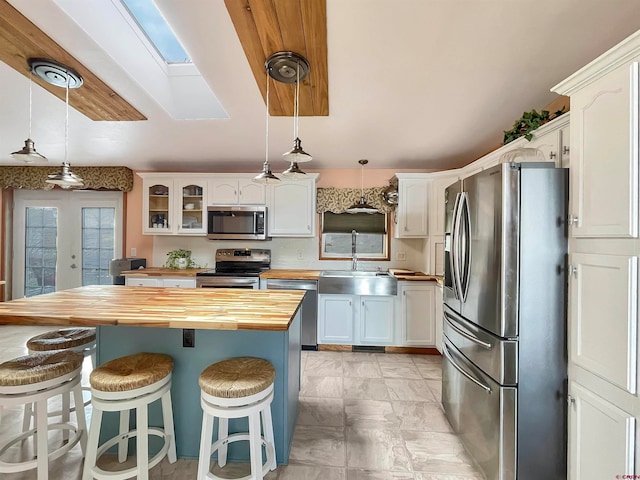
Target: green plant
column 528, row 123
column 174, row 255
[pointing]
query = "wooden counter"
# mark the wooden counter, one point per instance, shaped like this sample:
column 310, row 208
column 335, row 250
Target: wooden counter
column 412, row 276
column 207, row 309
column 281, row 274
column 164, row 272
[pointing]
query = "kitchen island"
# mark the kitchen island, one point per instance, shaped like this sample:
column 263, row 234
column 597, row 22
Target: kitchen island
column 226, row 322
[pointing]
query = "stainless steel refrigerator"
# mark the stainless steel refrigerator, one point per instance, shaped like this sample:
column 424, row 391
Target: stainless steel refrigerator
column 504, row 369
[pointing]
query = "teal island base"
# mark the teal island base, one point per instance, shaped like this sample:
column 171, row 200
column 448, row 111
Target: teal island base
column 281, row 348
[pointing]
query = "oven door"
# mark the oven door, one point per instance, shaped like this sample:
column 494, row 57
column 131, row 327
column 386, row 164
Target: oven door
column 228, row 282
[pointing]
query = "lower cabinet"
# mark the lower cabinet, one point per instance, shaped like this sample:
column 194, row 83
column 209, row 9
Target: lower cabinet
column 179, row 282
column 355, row 319
column 416, row 313
column 438, row 317
column 602, row 438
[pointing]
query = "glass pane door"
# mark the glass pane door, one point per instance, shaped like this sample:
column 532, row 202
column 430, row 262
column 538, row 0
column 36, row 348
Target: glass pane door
column 40, row 250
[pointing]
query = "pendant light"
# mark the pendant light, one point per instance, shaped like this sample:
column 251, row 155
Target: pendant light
column 362, row 206
column 56, row 73
column 28, row 153
column 296, row 154
column 266, row 176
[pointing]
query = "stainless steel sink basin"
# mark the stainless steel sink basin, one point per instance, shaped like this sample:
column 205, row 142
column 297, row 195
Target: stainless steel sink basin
column 358, row 282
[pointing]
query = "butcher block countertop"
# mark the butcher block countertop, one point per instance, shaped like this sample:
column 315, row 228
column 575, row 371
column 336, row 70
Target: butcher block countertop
column 164, row 272
column 201, row 308
column 275, row 274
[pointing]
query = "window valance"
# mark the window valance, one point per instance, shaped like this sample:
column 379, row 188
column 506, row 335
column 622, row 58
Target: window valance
column 337, row 200
column 95, row 178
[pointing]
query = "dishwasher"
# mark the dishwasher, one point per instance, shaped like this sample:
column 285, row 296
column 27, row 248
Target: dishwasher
column 308, row 310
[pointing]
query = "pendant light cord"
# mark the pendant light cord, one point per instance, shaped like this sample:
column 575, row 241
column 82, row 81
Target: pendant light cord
column 30, row 99
column 362, row 181
column 266, row 140
column 66, row 122
column 296, row 108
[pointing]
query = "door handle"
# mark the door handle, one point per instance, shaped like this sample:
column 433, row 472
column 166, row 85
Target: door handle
column 468, row 335
column 486, row 388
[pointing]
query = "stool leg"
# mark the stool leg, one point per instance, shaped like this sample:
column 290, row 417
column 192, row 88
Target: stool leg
column 204, row 458
column 26, row 419
column 81, row 420
column 123, row 445
column 223, row 432
column 92, row 444
column 142, row 442
column 255, row 446
column 66, row 408
column 167, row 419
column 42, row 433
column 267, row 428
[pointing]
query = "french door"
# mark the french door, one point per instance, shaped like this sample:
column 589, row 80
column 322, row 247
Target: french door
column 64, row 239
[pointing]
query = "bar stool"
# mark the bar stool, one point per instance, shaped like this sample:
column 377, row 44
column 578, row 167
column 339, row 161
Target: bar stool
column 134, row 381
column 76, row 339
column 236, row 388
column 34, row 379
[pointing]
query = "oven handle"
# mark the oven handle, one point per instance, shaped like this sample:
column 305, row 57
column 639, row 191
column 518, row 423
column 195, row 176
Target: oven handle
column 445, row 350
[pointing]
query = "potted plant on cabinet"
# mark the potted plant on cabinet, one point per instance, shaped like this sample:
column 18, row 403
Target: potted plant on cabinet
column 180, row 259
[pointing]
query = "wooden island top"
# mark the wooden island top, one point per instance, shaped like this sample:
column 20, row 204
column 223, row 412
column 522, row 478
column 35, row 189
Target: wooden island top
column 199, row 308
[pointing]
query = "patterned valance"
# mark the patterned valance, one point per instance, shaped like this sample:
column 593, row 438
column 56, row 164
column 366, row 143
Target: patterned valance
column 95, row 178
column 337, row 200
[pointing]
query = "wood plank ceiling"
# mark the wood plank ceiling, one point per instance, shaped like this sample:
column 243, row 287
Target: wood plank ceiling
column 20, row 40
column 265, row 27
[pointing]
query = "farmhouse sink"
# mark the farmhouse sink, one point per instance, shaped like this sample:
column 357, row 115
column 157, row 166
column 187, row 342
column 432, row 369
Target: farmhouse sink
column 356, row 282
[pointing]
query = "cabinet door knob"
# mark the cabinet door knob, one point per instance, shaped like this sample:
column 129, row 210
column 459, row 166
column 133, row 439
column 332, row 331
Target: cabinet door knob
column 570, row 400
column 565, row 150
column 573, row 220
column 572, row 270
column 552, row 155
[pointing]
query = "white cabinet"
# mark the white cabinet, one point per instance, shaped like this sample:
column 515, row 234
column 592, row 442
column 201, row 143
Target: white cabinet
column 291, row 208
column 565, row 146
column 602, row 438
column 376, row 321
column 335, row 319
column 173, row 204
column 179, row 282
column 604, row 161
column 437, row 203
column 413, row 206
column 355, row 319
column 438, row 317
column 416, row 313
column 143, row 281
column 604, row 316
column 235, row 190
column 549, row 140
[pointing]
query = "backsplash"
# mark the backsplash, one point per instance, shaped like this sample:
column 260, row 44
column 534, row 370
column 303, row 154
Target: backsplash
column 289, row 253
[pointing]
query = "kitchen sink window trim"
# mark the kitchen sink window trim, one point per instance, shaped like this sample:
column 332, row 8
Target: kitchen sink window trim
column 372, row 241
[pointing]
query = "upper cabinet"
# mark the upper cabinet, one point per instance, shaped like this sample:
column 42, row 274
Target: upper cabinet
column 604, row 148
column 173, row 204
column 413, row 205
column 233, row 189
column 291, row 207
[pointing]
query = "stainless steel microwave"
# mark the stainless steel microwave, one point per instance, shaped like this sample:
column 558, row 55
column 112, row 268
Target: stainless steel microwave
column 237, row 222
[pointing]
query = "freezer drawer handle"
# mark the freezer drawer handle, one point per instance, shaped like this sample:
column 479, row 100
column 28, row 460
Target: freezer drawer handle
column 468, row 336
column 486, row 388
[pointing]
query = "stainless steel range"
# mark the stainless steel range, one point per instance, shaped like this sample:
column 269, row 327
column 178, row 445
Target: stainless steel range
column 236, row 268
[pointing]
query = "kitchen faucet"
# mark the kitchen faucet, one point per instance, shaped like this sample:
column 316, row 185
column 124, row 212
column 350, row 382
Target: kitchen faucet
column 354, row 256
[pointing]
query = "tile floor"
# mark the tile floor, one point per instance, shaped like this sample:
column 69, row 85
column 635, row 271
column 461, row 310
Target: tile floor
column 362, row 416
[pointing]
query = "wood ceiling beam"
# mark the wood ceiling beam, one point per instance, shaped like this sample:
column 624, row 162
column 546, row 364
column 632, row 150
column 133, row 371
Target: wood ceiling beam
column 20, row 40
column 265, row 27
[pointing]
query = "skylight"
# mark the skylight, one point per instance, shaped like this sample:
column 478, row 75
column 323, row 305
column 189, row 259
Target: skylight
column 159, row 33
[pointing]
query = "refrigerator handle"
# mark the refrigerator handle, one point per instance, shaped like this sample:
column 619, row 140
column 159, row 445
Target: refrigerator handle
column 465, row 271
column 465, row 334
column 455, row 247
column 445, row 350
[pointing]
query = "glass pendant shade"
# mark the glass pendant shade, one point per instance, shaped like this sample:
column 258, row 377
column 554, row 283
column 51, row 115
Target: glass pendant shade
column 297, row 154
column 362, row 206
column 28, row 153
column 294, row 172
column 266, row 176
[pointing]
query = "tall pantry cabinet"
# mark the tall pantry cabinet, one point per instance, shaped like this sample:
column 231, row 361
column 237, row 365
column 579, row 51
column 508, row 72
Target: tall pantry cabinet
column 603, row 402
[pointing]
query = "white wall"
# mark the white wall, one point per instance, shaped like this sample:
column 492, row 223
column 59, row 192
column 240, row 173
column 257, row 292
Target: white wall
column 284, row 252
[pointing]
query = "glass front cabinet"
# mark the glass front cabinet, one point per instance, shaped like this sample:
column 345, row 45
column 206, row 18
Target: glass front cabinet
column 173, row 206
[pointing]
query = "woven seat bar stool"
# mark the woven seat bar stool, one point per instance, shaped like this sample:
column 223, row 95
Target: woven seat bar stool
column 76, row 339
column 236, row 388
column 34, row 379
column 123, row 384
